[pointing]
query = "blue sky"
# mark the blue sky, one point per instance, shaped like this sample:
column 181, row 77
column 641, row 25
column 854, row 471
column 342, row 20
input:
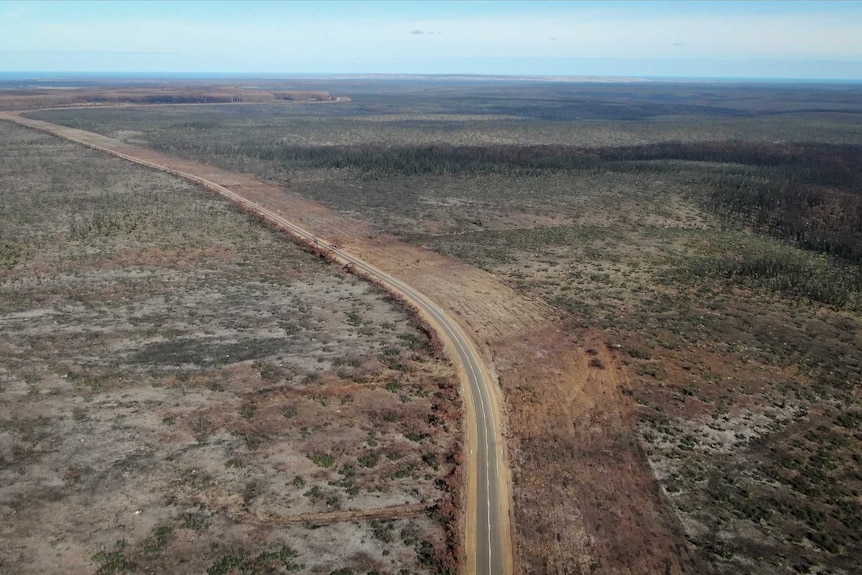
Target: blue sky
column 810, row 40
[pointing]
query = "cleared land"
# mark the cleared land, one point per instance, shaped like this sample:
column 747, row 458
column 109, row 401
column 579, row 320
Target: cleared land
column 184, row 389
column 674, row 310
column 486, row 524
column 46, row 94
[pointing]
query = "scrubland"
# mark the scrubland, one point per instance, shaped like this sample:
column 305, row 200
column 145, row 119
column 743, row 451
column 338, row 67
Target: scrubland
column 711, row 234
column 184, row 390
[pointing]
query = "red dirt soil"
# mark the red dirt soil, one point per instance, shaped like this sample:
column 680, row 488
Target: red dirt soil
column 585, row 499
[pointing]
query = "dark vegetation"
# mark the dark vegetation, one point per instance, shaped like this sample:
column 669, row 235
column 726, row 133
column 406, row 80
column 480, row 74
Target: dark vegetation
column 811, row 194
column 714, row 232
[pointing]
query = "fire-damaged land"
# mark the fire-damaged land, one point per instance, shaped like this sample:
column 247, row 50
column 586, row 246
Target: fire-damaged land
column 664, row 277
column 187, row 391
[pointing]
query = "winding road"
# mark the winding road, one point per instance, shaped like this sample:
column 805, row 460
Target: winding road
column 488, row 542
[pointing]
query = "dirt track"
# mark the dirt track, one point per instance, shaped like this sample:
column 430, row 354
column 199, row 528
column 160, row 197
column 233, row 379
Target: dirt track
column 584, row 497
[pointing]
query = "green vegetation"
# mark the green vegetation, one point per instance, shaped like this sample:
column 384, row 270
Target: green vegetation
column 322, row 459
column 279, row 560
column 114, row 562
column 369, row 459
column 159, row 539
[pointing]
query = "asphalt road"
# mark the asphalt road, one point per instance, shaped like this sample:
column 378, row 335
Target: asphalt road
column 485, row 456
column 489, row 540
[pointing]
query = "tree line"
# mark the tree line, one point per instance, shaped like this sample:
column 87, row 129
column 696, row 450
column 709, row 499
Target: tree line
column 822, row 164
column 810, row 194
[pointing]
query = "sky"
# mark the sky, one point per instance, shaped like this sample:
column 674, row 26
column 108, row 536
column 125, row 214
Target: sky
column 765, row 40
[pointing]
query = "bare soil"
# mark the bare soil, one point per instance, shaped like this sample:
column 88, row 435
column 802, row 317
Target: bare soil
column 582, row 484
column 186, row 391
column 742, row 396
column 40, row 96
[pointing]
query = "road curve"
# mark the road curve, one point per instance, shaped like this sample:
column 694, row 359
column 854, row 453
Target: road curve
column 487, row 525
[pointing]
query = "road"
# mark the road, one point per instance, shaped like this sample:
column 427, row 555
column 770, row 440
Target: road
column 488, row 538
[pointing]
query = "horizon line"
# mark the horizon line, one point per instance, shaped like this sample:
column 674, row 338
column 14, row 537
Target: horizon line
column 609, row 78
